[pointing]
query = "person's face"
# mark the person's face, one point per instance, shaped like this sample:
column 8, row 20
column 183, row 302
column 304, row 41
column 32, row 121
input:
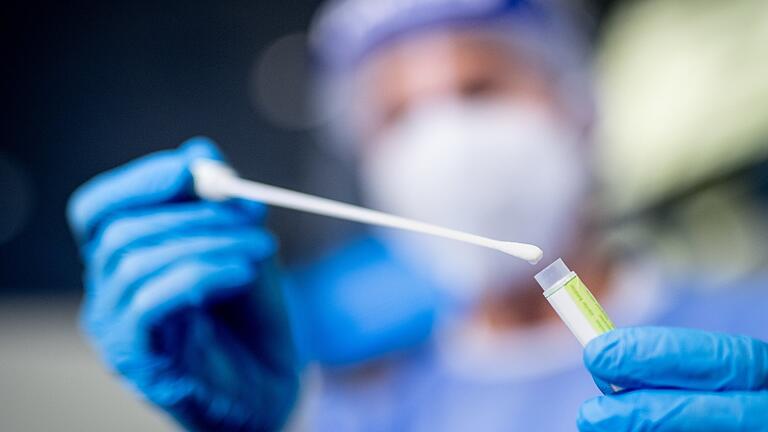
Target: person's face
column 448, row 65
column 465, row 112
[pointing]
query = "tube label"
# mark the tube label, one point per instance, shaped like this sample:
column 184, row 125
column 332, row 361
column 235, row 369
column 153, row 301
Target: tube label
column 588, row 305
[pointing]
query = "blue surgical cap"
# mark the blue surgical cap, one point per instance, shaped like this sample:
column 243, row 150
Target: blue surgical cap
column 345, row 31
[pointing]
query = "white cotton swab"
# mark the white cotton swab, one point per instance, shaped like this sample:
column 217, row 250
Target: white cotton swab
column 215, row 181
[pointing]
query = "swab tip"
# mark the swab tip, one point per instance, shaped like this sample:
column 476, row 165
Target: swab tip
column 532, row 254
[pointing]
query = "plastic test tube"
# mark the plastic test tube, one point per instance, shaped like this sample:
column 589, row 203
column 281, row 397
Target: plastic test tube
column 574, row 303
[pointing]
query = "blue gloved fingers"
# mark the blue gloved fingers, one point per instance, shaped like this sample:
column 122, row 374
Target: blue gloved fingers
column 675, row 410
column 156, row 178
column 138, row 266
column 177, row 294
column 187, row 284
column 603, row 386
column 153, row 225
column 255, row 393
column 678, row 358
column 190, row 395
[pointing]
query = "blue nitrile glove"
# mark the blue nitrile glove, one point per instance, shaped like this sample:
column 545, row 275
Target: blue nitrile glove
column 181, row 297
column 677, row 380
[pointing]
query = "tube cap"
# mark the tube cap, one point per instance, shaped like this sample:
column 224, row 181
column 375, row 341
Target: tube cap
column 553, row 274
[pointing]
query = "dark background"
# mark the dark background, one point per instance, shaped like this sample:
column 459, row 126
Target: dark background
column 88, row 86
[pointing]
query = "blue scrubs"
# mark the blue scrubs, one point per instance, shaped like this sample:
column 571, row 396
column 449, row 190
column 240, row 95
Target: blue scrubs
column 391, row 309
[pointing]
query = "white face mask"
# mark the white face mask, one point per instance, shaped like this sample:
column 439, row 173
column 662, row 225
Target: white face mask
column 499, row 170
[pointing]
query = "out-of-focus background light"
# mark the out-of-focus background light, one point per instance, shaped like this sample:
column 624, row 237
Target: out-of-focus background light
column 281, row 84
column 15, row 200
column 683, row 129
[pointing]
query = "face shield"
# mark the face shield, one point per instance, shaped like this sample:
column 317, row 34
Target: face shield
column 347, row 36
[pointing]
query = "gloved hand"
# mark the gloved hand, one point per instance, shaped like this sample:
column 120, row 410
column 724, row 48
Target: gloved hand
column 181, row 298
column 677, row 380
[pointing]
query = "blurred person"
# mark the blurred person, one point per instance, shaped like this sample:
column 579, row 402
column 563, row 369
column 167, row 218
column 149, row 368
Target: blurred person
column 469, row 114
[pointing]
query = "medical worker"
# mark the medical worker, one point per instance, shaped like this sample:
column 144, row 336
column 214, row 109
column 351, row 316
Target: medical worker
column 470, row 114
